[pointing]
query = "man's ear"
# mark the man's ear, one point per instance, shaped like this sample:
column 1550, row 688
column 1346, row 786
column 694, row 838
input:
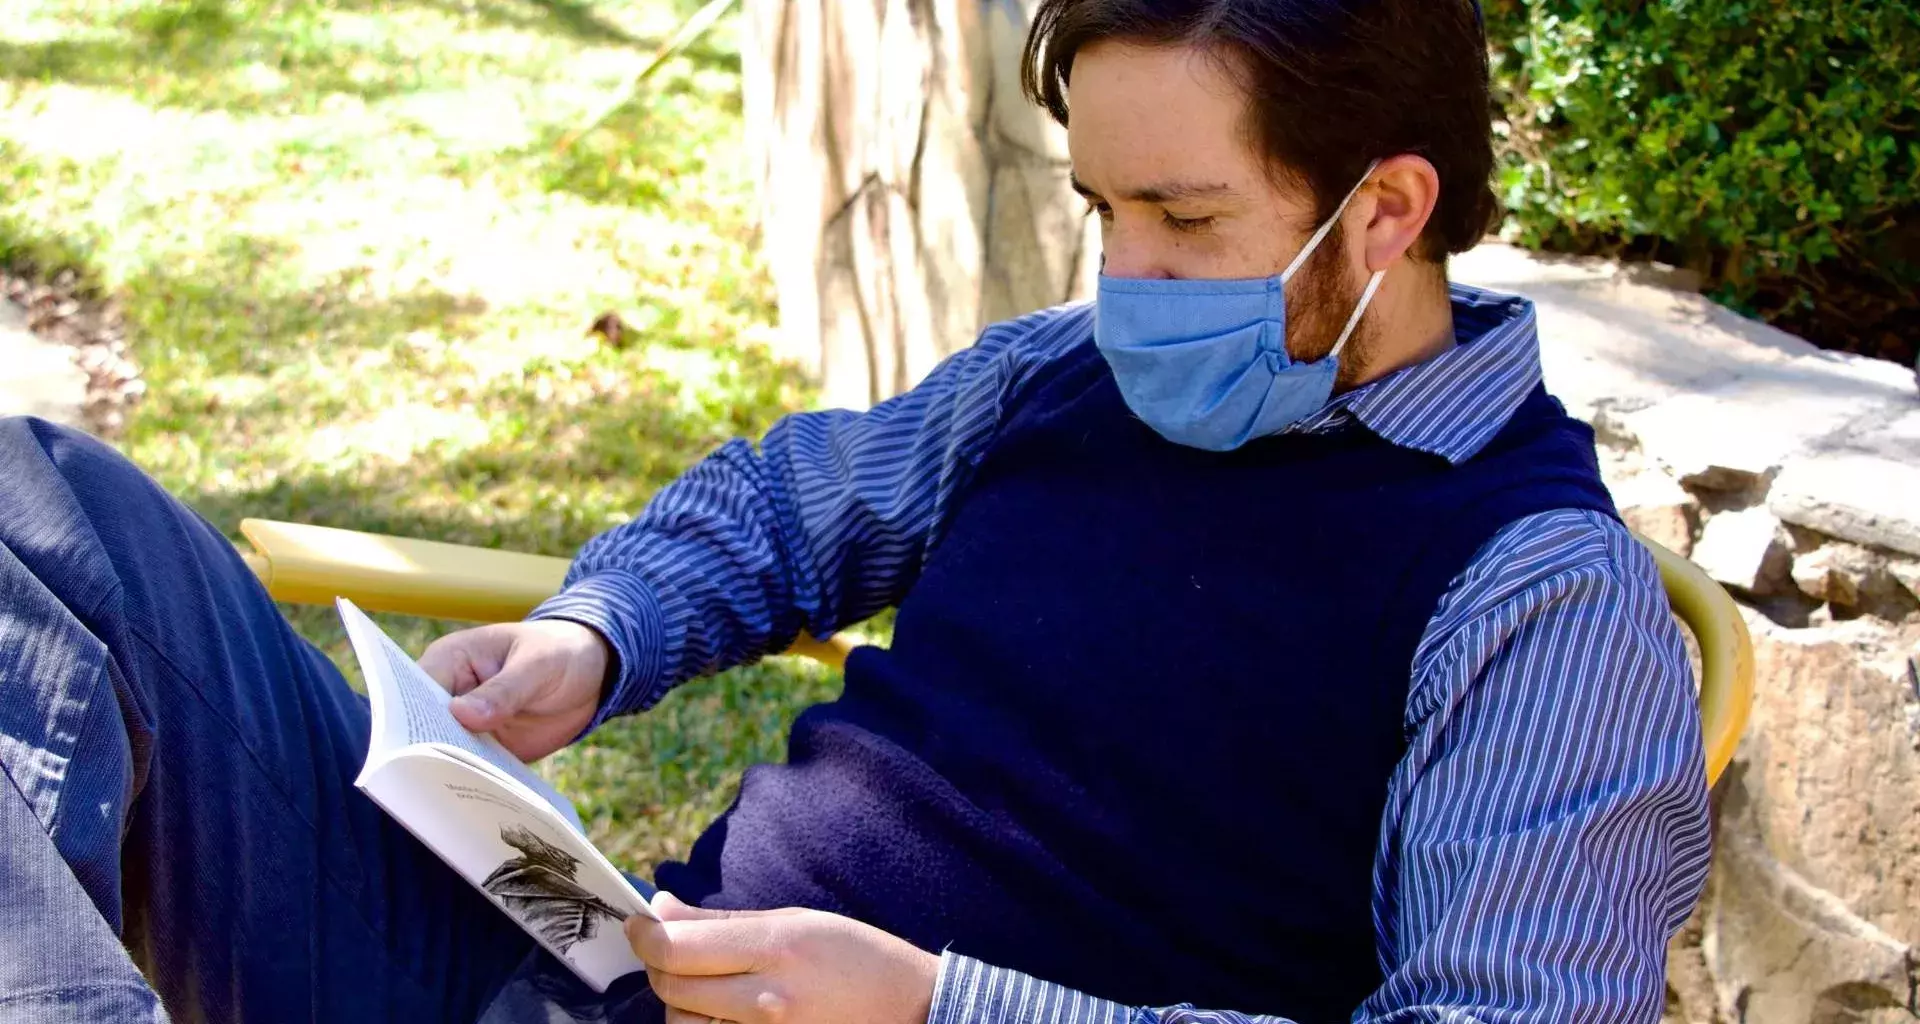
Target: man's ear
column 1404, row 190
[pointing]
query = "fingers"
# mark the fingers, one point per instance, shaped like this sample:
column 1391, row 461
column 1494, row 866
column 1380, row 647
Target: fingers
column 491, row 704
column 736, row 944
column 461, row 661
column 733, row 997
column 684, row 1017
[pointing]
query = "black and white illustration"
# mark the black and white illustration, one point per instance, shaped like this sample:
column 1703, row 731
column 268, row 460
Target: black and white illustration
column 540, row 890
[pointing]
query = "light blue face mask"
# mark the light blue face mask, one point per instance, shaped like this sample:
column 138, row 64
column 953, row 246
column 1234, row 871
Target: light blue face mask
column 1205, row 363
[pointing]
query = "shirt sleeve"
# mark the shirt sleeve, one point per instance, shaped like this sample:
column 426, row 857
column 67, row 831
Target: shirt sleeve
column 825, row 523
column 1546, row 833
column 1550, row 829
column 971, row 992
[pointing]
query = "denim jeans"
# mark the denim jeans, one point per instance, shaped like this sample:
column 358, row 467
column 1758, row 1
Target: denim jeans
column 179, row 832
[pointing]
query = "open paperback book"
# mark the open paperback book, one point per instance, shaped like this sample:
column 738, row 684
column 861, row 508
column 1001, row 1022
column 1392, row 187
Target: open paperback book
column 502, row 827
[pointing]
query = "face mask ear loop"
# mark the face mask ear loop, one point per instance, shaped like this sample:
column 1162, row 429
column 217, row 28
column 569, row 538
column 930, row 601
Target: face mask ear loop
column 1366, row 298
column 1327, row 228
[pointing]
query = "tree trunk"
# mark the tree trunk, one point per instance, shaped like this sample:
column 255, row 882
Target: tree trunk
column 910, row 195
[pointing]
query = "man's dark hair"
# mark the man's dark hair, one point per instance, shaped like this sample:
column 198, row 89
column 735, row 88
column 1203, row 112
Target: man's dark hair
column 1334, row 85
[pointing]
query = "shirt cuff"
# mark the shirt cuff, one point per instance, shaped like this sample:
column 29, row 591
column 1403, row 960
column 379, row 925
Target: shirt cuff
column 970, row 992
column 628, row 613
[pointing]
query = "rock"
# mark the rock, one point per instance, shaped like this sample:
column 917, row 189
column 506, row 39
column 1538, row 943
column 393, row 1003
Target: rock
column 1670, row 526
column 1863, row 486
column 1906, row 572
column 1658, row 508
column 1860, row 580
column 1725, row 403
column 1813, row 908
column 1747, row 549
column 1834, row 573
column 1692, row 997
column 1738, row 435
column 42, row 378
column 1782, row 949
column 1613, row 342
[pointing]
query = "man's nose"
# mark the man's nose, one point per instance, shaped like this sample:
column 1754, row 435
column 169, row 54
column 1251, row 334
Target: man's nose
column 1127, row 259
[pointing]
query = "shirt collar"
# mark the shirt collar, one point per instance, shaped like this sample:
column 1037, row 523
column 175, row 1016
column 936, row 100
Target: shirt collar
column 1453, row 404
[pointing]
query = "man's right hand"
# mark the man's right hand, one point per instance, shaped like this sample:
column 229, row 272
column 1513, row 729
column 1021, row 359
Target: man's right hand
column 534, row 685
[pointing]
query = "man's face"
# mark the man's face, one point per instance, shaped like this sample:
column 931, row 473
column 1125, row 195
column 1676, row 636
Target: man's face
column 1161, row 150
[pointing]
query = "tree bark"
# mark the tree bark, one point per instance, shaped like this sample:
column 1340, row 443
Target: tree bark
column 909, row 194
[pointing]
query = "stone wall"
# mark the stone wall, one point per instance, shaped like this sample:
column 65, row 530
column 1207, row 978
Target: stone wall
column 910, row 196
column 1813, row 908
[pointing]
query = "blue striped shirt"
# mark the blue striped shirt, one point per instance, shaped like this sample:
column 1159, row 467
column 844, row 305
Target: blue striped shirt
column 1543, row 837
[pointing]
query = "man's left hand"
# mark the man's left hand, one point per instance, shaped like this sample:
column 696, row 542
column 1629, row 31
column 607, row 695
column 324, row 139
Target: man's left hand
column 780, row 967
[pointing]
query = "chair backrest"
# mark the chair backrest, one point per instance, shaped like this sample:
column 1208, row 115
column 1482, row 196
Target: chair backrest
column 1726, row 653
column 312, row 564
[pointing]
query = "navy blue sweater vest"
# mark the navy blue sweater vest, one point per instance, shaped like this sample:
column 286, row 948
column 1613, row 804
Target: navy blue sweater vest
column 1137, row 724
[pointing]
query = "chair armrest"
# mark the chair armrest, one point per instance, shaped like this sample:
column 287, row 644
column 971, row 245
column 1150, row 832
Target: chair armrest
column 303, row 564
column 313, row 564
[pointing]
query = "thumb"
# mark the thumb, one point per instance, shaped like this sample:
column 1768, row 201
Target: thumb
column 491, row 704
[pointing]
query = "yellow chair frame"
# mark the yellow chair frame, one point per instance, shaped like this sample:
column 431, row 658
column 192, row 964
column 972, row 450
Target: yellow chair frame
column 304, row 564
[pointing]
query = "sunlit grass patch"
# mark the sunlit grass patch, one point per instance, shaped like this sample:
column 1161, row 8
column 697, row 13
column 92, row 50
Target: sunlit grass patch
column 358, row 267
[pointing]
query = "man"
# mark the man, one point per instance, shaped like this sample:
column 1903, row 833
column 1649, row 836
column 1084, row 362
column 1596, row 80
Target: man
column 1266, row 640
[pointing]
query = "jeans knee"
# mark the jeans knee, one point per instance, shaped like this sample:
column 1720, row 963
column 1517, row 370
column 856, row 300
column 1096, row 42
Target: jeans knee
column 98, row 476
column 85, row 518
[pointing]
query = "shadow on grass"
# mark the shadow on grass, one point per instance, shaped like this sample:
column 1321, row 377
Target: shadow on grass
column 551, row 474
column 243, row 371
column 571, row 19
column 191, row 54
column 570, row 16
column 227, row 304
column 189, row 65
column 639, row 156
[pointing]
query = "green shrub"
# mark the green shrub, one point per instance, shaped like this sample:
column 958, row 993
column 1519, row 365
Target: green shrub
column 1773, row 145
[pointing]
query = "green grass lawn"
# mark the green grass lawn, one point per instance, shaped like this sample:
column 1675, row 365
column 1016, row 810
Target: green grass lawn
column 358, row 271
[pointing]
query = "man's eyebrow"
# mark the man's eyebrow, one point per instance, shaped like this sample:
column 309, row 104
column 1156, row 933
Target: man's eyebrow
column 1161, row 192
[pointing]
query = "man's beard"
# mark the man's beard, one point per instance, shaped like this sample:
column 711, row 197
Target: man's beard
column 1320, row 299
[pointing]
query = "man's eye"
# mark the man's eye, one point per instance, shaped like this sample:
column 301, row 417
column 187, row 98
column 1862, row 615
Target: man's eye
column 1102, row 210
column 1188, row 224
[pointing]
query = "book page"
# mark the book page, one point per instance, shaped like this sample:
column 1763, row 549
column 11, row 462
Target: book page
column 409, row 709
column 521, row 856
